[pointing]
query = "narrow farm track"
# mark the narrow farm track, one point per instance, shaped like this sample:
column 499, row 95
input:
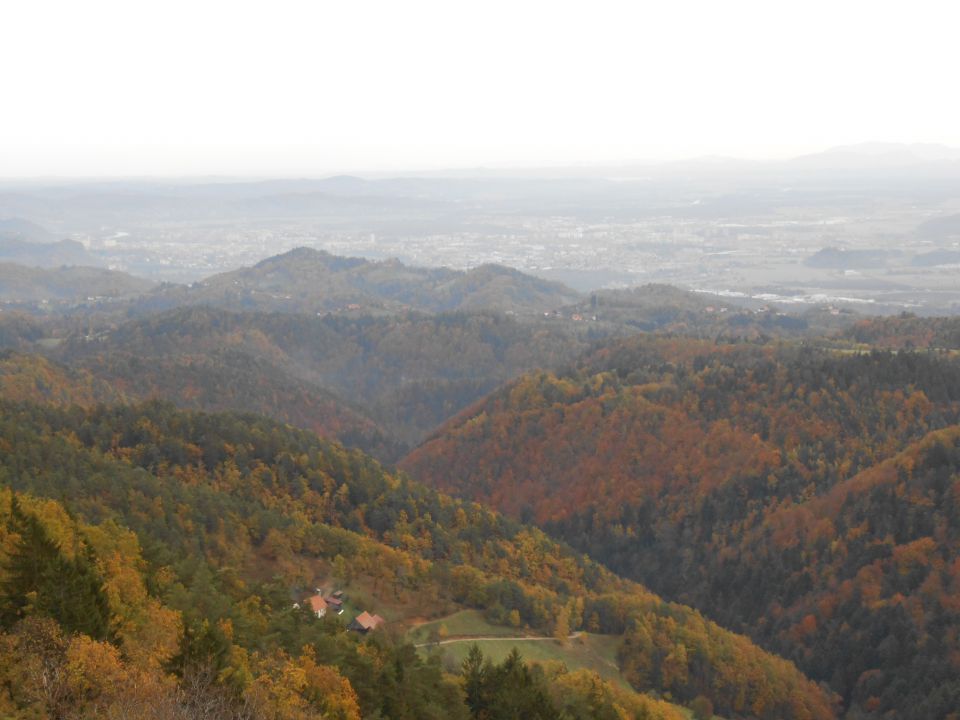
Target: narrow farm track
column 524, row 638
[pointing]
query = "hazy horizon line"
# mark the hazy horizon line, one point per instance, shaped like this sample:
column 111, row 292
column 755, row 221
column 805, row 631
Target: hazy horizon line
column 509, row 167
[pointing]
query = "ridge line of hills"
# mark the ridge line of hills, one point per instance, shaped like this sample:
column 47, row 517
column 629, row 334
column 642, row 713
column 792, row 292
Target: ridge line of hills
column 302, row 280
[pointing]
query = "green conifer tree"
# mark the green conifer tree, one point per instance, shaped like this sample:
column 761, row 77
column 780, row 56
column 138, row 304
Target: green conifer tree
column 41, row 581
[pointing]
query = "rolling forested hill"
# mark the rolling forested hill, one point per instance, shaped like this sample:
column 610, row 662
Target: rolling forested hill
column 299, row 281
column 807, row 497
column 21, row 284
column 907, row 331
column 19, row 331
column 310, row 281
column 406, row 374
column 379, row 381
column 224, row 380
column 149, row 559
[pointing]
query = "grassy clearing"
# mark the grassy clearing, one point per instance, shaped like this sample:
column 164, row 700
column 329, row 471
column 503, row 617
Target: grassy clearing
column 590, row 652
column 587, row 651
column 466, row 623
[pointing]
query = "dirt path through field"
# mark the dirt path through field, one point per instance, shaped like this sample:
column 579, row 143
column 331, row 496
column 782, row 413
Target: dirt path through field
column 526, row 638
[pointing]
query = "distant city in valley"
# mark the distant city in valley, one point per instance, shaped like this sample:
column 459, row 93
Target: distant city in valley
column 874, row 228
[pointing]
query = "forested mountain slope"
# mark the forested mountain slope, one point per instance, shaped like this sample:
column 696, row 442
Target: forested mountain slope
column 235, row 513
column 408, row 373
column 19, row 331
column 19, row 283
column 692, row 467
column 907, row 331
column 224, row 380
column 33, row 378
column 396, row 375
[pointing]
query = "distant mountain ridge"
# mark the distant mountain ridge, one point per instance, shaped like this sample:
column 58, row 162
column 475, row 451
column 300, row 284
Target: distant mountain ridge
column 70, row 284
column 302, row 280
column 46, row 255
column 27, row 243
column 18, row 229
column 306, row 280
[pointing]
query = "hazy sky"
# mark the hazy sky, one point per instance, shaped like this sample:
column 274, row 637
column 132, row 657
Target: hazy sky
column 127, row 87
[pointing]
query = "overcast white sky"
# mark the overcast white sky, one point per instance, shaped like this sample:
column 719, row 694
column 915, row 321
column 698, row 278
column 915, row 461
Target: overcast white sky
column 125, row 87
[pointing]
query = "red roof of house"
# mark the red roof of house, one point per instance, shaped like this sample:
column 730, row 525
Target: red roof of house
column 368, row 621
column 317, row 603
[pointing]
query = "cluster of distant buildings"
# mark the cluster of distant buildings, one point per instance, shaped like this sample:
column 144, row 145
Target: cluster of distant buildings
column 320, row 604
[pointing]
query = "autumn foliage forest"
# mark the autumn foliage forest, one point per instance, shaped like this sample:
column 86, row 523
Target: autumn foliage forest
column 807, row 497
column 197, row 528
column 761, row 519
